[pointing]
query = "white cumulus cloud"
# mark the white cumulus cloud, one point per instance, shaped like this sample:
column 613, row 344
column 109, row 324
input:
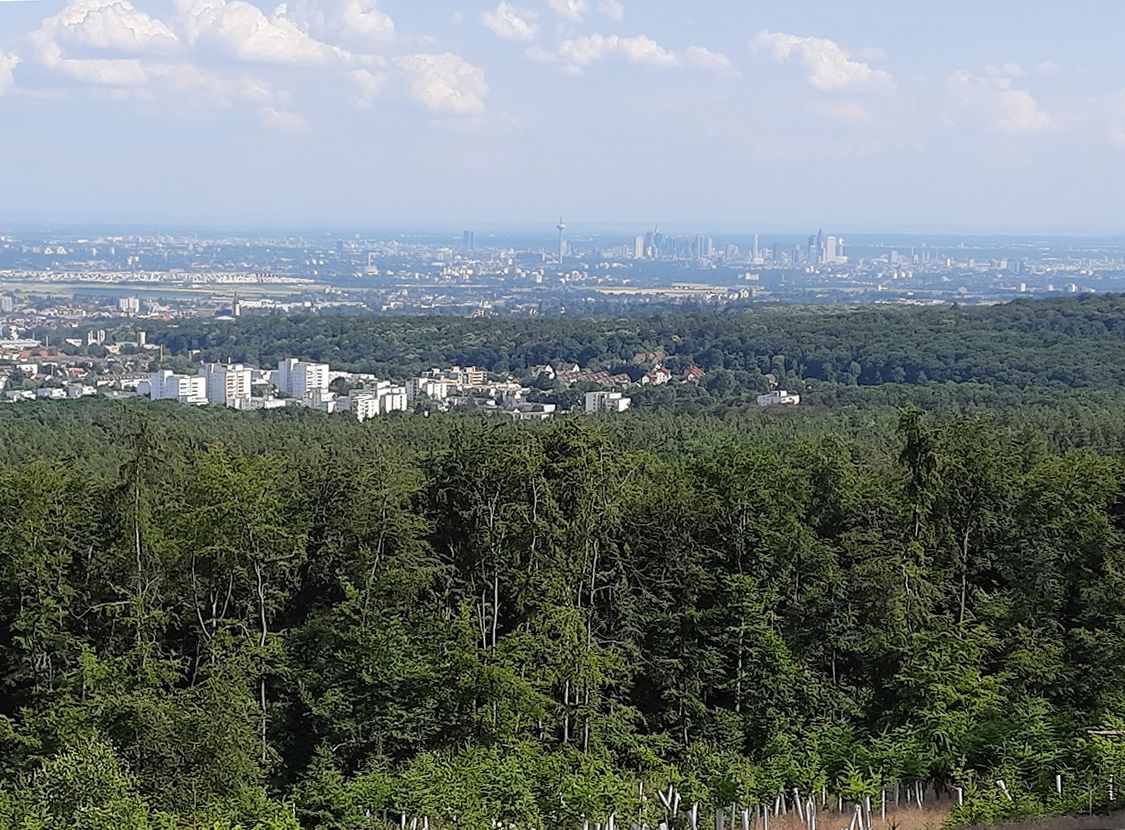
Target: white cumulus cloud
column 241, row 30
column 8, row 62
column 445, row 83
column 121, row 72
column 205, row 87
column 585, row 51
column 111, row 25
column 509, row 23
column 198, row 56
column 589, row 49
column 995, row 103
column 705, row 59
column 828, row 67
column 368, row 86
column 355, row 22
column 572, row 10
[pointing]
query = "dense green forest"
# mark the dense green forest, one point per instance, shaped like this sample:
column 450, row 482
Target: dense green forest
column 286, row 620
column 1075, row 343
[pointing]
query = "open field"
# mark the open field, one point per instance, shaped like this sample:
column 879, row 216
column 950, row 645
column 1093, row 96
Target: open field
column 154, row 290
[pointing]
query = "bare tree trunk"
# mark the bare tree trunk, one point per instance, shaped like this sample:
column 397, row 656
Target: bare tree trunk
column 964, row 574
column 586, row 724
column 738, row 675
column 495, row 605
column 566, row 712
column 482, row 623
column 142, row 589
column 374, row 569
column 262, row 645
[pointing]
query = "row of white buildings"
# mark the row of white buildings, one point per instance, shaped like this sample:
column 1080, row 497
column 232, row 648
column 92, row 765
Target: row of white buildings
column 301, row 383
column 294, row 382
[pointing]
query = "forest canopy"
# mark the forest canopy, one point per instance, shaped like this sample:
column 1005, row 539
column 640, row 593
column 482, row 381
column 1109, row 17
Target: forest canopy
column 211, row 618
column 1073, row 343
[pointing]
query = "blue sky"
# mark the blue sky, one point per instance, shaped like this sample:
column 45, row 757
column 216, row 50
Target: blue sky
column 983, row 116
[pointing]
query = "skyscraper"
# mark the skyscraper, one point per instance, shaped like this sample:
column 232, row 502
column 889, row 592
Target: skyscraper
column 639, row 247
column 757, row 252
column 469, row 241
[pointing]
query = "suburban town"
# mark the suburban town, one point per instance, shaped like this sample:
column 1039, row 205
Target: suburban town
column 79, row 368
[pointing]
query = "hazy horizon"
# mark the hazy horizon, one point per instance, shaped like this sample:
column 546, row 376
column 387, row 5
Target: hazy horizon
column 546, row 229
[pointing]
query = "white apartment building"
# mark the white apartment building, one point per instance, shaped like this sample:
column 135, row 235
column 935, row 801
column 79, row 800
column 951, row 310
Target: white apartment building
column 524, row 411
column 364, row 405
column 432, row 388
column 779, row 397
column 375, row 399
column 165, row 385
column 471, row 376
column 227, row 384
column 323, row 400
column 257, row 404
column 300, row 380
column 80, row 390
column 606, row 402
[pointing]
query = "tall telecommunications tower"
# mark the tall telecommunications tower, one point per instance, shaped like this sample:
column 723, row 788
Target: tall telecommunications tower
column 562, row 243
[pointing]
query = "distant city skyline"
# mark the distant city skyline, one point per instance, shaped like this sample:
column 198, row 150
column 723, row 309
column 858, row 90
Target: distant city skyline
column 985, row 118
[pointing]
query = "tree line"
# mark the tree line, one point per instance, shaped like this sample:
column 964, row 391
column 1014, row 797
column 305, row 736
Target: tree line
column 1072, row 343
